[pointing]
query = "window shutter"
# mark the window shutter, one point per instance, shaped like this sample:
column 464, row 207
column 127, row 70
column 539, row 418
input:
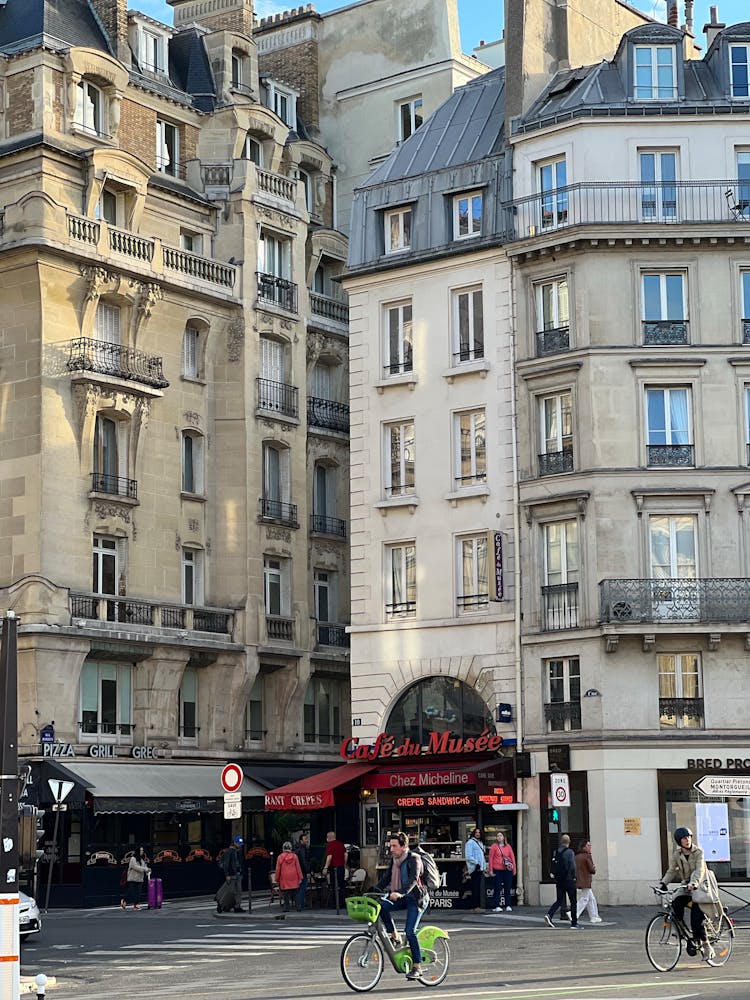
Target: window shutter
column 190, row 352
column 108, row 323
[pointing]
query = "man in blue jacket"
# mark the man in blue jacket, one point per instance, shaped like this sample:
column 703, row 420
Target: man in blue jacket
column 565, row 880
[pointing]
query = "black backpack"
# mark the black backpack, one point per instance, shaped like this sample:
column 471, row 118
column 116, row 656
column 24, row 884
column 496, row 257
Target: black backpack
column 430, row 873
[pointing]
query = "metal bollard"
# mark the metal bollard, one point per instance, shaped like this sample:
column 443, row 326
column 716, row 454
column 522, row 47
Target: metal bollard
column 41, row 986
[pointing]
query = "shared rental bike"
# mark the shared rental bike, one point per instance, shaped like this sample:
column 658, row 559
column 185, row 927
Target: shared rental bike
column 666, row 934
column 363, row 955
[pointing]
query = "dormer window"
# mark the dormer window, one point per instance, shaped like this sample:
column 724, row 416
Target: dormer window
column 467, row 215
column 283, row 101
column 655, row 73
column 398, row 230
column 738, row 70
column 152, row 52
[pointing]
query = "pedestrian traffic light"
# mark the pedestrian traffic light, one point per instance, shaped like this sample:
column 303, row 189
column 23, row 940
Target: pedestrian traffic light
column 553, row 815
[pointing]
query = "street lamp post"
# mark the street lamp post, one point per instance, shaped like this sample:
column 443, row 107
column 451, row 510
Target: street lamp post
column 10, row 968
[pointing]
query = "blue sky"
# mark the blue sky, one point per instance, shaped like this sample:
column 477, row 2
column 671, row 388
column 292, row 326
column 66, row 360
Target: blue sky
column 482, row 19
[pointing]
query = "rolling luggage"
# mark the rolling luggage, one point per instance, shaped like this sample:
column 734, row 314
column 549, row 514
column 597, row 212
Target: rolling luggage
column 155, row 893
column 225, row 897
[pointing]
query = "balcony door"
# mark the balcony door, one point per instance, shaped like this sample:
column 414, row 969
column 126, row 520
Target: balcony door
column 106, row 461
column 658, row 189
column 560, row 591
column 674, row 566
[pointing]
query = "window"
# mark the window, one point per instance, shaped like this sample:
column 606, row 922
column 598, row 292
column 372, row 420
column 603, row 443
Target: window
column 443, row 703
column 322, row 711
column 274, row 264
column 658, row 191
column 167, row 148
column 468, row 325
column 188, row 704
column 401, row 581
column 191, row 346
column 192, row 577
column 192, row 462
column 738, row 71
column 467, row 215
column 664, row 309
column 275, row 576
column 276, row 484
column 563, row 710
column 108, row 208
column 325, row 603
column 655, row 73
column 106, row 478
column 321, row 381
column 398, row 230
column 306, row 181
column 742, row 207
column 105, row 577
column 324, row 493
column 400, row 454
column 409, row 118
column 108, row 323
column 106, row 699
column 747, row 423
column 273, row 392
column 473, row 573
column 674, row 567
column 253, row 151
column 556, row 426
column 470, row 448
column 152, row 52
column 191, row 242
column 89, row 108
column 398, row 341
column 560, row 590
column 553, row 177
column 239, row 61
column 680, row 701
column 668, row 426
column 283, row 101
column 323, row 283
column 552, row 316
column 255, row 716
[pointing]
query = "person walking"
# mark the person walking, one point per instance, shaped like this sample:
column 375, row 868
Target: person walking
column 688, row 866
column 232, row 863
column 302, row 850
column 565, row 880
column 475, row 864
column 138, row 869
column 335, row 862
column 503, row 868
column 405, row 892
column 288, row 876
column 585, row 868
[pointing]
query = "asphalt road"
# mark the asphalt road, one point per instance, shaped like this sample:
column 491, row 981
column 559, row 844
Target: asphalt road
column 184, row 950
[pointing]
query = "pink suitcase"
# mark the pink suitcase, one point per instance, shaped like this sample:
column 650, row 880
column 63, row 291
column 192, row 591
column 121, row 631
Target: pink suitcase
column 155, row 893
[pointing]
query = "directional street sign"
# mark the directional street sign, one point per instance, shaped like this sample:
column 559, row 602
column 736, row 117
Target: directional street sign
column 232, row 805
column 560, row 789
column 231, row 777
column 60, row 789
column 724, row 784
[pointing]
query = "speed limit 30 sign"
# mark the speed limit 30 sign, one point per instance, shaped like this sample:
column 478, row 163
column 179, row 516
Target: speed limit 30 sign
column 560, row 787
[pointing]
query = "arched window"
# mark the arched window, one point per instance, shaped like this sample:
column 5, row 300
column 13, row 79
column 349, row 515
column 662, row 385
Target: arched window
column 109, row 472
column 191, row 347
column 439, row 704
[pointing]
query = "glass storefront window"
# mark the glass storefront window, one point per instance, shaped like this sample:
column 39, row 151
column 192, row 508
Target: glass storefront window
column 439, row 704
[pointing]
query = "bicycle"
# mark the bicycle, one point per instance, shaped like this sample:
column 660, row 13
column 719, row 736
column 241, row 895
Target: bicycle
column 363, row 955
column 666, row 934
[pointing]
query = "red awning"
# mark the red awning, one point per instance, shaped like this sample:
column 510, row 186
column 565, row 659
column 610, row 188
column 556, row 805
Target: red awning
column 317, row 791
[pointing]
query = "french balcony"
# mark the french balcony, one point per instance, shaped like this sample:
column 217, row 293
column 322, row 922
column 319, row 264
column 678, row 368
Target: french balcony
column 401, row 609
column 553, row 341
column 682, row 713
column 554, row 462
column 327, row 307
column 278, row 397
column 333, row 635
column 278, row 512
column 327, row 413
column 472, row 602
column 276, row 291
column 279, row 628
column 676, row 455
column 647, row 601
column 126, row 611
column 559, row 607
column 115, row 486
column 103, row 358
column 665, row 332
column 90, row 725
column 562, row 715
column 467, row 354
column 323, row 525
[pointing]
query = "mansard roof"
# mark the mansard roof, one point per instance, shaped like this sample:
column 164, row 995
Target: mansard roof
column 26, row 24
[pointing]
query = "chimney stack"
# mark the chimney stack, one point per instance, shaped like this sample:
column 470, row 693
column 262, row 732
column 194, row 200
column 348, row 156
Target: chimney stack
column 113, row 17
column 689, row 15
column 714, row 26
column 673, row 14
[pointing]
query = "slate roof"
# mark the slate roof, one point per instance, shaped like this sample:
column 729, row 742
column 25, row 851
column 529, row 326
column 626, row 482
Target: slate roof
column 190, row 69
column 27, row 23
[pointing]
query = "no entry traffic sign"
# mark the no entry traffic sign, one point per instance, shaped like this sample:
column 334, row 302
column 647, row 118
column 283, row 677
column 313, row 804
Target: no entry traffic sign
column 231, row 778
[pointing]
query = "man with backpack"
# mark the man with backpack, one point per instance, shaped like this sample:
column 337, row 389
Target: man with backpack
column 232, row 863
column 405, row 891
column 564, row 870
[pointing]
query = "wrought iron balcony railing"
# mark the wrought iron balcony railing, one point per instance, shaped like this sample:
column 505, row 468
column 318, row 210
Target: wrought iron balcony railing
column 278, row 512
column 277, row 291
column 115, row 486
column 113, row 359
column 401, row 609
column 278, row 397
column 554, row 462
column 328, row 413
column 559, row 606
column 746, row 331
column 708, row 599
column 281, row 628
column 326, row 739
column 552, row 341
column 398, row 367
column 189, row 732
column 323, row 525
column 665, row 332
column 91, row 726
column 471, row 602
column 333, row 635
column 671, row 454
column 126, row 611
column 687, row 713
column 336, row 310
column 562, row 715
column 467, row 353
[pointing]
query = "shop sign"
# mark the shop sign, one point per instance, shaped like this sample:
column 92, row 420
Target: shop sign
column 299, row 800
column 558, row 756
column 717, row 764
column 58, row 750
column 731, row 785
column 444, row 899
column 418, row 779
column 498, row 553
column 434, row 801
column 145, row 753
column 438, row 744
column 493, row 799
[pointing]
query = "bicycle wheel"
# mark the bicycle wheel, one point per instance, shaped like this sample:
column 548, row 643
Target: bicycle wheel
column 362, row 963
column 663, row 943
column 435, row 961
column 722, row 944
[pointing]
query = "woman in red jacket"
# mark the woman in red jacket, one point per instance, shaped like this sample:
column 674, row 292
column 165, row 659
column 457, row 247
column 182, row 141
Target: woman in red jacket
column 288, row 876
column 503, row 868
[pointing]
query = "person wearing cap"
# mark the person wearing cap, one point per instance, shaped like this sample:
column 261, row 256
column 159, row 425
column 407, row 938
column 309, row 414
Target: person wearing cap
column 232, row 863
column 689, row 867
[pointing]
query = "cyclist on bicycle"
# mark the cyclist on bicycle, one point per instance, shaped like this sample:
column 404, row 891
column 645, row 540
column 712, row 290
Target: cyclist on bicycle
column 405, row 892
column 689, row 867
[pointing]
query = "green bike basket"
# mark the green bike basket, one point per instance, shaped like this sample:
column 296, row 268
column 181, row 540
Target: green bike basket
column 363, row 909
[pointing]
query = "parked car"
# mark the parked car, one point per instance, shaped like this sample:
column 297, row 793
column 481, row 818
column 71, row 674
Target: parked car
column 30, row 919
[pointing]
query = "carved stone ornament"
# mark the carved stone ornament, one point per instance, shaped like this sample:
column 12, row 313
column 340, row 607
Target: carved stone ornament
column 97, row 278
column 194, row 524
column 112, row 510
column 85, row 397
column 279, row 535
column 276, row 218
column 235, row 338
column 192, row 418
column 177, row 542
column 146, row 297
